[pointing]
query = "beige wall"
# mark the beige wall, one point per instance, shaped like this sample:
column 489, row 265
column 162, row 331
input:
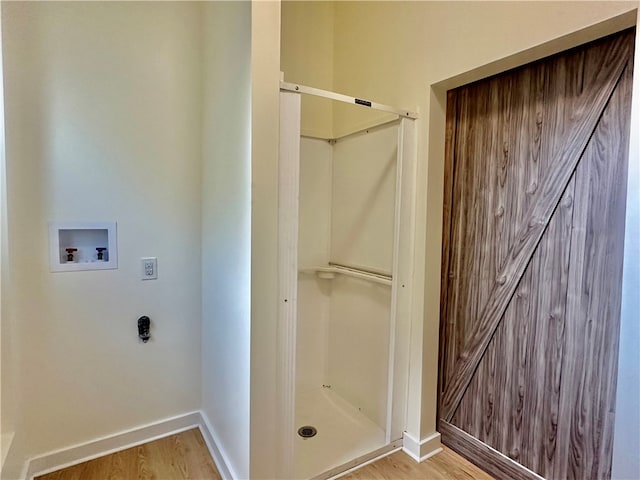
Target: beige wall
column 407, row 54
column 7, row 364
column 226, row 228
column 103, row 123
column 393, row 51
column 307, row 59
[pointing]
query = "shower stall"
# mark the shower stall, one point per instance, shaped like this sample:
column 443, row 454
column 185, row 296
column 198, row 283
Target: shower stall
column 345, row 253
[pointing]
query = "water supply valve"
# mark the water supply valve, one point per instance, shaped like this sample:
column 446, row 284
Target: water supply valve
column 70, row 252
column 100, row 251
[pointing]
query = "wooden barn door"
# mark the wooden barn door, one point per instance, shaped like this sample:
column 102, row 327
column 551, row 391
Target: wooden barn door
column 532, row 263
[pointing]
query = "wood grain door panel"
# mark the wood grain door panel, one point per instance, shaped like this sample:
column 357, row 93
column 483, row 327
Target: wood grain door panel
column 532, row 255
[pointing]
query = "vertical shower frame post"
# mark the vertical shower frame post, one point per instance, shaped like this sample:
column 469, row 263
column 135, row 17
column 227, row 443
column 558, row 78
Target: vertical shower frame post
column 402, row 283
column 288, row 205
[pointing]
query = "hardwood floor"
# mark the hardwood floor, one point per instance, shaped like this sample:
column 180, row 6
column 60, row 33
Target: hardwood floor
column 185, row 456
column 446, row 465
column 177, row 457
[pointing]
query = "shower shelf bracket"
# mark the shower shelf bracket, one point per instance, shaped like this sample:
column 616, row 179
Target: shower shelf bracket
column 330, row 272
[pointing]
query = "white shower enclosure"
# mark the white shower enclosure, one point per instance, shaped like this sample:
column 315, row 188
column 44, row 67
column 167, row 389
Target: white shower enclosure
column 346, row 228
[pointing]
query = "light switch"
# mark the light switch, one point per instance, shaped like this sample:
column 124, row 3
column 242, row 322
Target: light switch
column 149, row 268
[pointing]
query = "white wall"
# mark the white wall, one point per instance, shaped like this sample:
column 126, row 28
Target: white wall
column 103, row 123
column 226, row 228
column 265, row 111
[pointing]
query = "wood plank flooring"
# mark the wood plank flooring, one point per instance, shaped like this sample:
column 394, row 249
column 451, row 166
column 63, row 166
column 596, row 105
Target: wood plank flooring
column 446, row 465
column 177, row 457
column 185, row 456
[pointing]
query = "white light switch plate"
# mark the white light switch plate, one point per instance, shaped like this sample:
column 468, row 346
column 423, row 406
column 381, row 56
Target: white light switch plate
column 149, row 268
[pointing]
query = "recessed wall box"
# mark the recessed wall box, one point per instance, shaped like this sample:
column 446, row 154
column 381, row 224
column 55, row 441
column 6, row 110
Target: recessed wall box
column 75, row 246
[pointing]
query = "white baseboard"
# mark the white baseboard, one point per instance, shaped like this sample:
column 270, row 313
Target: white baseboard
column 215, row 448
column 423, row 449
column 5, row 444
column 99, row 447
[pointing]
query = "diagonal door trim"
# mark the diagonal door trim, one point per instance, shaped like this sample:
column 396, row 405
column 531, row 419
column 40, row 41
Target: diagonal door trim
column 588, row 110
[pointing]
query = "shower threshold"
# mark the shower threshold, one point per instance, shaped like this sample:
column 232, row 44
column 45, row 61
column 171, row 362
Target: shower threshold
column 343, row 433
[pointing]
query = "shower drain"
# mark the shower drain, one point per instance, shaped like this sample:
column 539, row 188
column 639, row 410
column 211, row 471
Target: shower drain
column 307, row 431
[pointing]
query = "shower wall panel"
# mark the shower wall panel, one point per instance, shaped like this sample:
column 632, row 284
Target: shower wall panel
column 347, row 209
column 362, row 226
column 314, row 238
column 315, row 202
column 358, row 343
column 363, row 206
column 312, row 329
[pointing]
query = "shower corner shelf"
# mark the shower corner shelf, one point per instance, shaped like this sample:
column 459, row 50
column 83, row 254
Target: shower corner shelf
column 324, row 273
column 329, row 273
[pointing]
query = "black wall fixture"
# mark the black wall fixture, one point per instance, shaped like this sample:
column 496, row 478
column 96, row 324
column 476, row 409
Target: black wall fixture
column 144, row 326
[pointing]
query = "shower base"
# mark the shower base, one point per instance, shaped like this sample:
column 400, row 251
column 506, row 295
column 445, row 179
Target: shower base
column 344, row 433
